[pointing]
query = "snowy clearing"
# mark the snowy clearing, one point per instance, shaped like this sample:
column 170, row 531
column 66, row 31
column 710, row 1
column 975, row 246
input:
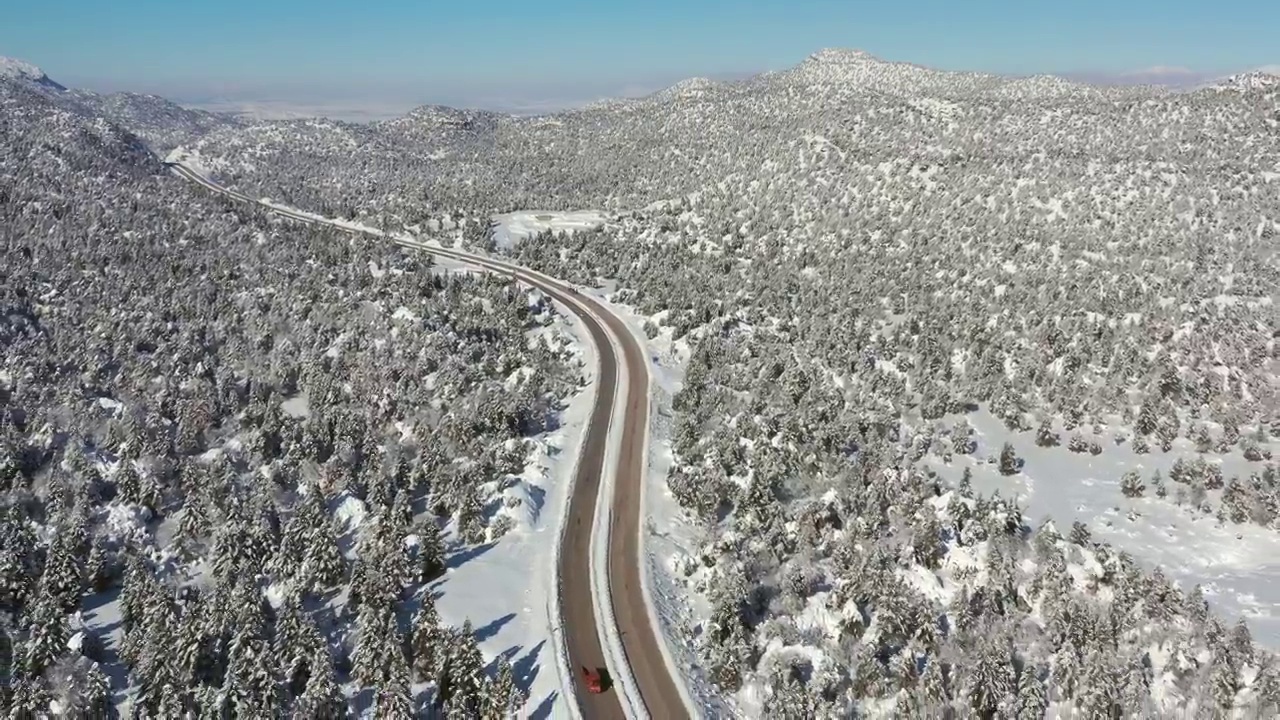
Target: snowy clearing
column 511, row 228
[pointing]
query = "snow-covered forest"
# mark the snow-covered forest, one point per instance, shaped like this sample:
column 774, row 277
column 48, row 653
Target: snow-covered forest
column 237, row 455
column 971, row 359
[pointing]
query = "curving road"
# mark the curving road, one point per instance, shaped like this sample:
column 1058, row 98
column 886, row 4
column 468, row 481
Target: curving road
column 645, row 663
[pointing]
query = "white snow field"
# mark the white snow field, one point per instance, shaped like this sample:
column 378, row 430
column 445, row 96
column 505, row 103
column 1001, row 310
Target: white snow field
column 511, row 228
column 1238, row 565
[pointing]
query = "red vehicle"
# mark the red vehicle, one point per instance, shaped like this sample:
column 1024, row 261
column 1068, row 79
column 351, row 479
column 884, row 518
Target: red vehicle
column 597, row 680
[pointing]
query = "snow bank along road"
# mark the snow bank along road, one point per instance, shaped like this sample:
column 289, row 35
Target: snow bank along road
column 644, row 659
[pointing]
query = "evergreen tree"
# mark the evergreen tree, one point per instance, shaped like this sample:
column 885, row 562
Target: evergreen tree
column 47, row 635
column 431, row 562
column 933, row 684
column 1045, row 436
column 1009, row 461
column 395, row 702
column 1033, row 700
column 992, row 685
column 322, row 699
column 293, row 645
column 1066, row 669
column 504, row 698
column 466, row 668
column 250, row 686
column 1224, row 682
column 1131, row 484
column 428, row 640
column 29, row 699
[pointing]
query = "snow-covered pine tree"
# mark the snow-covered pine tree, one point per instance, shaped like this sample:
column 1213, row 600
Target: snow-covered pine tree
column 466, row 668
column 1033, row 699
column 430, row 561
column 251, row 686
column 428, row 640
column 1131, row 484
column 503, row 697
column 395, row 699
column 322, row 699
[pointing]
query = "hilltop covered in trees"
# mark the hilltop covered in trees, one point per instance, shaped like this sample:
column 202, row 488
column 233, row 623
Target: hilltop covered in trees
column 235, row 453
column 885, row 276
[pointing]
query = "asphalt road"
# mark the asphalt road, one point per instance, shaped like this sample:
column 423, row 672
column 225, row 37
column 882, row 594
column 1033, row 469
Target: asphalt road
column 640, row 642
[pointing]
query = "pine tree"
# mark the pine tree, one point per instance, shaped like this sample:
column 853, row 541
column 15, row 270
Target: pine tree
column 992, row 684
column 250, row 686
column 1033, row 700
column 1240, row 644
column 47, row 634
column 395, row 701
column 1098, row 692
column 322, row 699
column 1131, row 484
column 1045, row 436
column 431, row 563
column 1080, row 534
column 428, row 640
column 470, row 517
column 375, row 624
column 466, row 668
column 926, row 540
column 29, row 699
column 192, row 526
column 1135, row 691
column 7, row 665
column 1224, row 682
column 94, row 699
column 1008, row 460
column 504, row 698
column 789, row 699
column 933, row 684
column 1066, row 669
column 292, row 645
column 323, row 558
column 154, row 673
column 1140, row 445
column 128, row 482
column 98, row 575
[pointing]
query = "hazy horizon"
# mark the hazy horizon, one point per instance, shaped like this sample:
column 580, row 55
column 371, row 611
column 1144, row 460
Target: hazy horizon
column 386, row 58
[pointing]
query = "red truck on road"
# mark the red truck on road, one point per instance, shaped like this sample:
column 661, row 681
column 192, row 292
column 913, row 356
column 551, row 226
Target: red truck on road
column 597, row 680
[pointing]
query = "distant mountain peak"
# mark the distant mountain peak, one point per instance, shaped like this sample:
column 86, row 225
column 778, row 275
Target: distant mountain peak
column 842, row 55
column 1252, row 80
column 20, row 70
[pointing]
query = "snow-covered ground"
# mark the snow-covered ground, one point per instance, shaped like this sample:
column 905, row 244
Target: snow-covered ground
column 511, row 228
column 1238, row 565
column 508, row 590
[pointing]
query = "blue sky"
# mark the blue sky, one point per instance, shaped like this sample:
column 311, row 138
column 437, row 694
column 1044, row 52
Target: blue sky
column 530, row 51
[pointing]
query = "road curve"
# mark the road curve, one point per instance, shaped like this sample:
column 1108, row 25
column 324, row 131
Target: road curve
column 641, row 643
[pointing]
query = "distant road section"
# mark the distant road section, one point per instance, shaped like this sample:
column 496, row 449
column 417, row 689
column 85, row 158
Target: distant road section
column 645, row 661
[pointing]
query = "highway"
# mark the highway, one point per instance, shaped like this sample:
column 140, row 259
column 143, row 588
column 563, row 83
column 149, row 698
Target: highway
column 645, row 665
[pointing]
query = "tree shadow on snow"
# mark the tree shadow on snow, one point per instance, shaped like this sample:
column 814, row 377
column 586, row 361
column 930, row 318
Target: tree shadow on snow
column 466, row 555
column 484, row 632
column 544, row 708
column 537, row 498
column 525, row 670
column 102, row 621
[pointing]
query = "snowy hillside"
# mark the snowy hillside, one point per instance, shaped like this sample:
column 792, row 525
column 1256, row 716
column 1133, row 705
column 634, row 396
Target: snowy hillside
column 967, row 386
column 14, row 69
column 251, row 469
